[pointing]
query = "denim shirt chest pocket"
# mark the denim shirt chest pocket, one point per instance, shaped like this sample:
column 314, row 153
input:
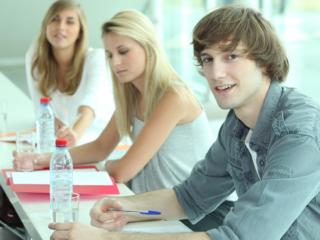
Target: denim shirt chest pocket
column 261, row 159
column 239, row 167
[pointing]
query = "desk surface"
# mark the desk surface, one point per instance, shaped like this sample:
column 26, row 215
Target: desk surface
column 34, row 209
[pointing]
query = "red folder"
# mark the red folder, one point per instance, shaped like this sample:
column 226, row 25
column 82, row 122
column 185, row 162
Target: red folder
column 44, row 188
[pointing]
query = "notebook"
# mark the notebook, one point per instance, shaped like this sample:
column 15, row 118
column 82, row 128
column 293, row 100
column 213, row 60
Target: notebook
column 86, row 180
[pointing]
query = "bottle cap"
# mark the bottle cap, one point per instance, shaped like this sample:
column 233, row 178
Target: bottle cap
column 60, row 142
column 45, row 100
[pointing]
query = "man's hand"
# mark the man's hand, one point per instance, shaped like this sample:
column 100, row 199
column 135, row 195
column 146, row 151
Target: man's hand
column 75, row 231
column 102, row 215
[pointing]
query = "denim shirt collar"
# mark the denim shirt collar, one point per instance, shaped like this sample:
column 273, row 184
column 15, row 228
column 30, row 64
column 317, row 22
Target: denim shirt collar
column 261, row 132
column 269, row 110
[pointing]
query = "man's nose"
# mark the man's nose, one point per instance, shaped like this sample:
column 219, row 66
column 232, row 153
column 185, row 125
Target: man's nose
column 216, row 71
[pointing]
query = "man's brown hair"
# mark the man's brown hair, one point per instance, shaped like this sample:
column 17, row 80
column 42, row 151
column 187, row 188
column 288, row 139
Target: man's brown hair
column 234, row 24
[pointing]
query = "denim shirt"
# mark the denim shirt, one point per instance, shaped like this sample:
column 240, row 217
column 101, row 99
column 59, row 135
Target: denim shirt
column 285, row 203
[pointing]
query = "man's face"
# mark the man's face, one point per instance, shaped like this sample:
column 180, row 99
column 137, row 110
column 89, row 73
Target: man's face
column 236, row 81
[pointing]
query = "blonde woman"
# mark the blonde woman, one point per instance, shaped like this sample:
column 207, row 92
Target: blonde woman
column 168, row 126
column 61, row 66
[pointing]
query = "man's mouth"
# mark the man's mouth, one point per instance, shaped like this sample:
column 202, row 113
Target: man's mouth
column 224, row 87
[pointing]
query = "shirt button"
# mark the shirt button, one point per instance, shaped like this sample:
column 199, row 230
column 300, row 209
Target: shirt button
column 261, row 163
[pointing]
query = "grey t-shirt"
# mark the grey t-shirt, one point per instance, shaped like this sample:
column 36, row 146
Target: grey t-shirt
column 183, row 148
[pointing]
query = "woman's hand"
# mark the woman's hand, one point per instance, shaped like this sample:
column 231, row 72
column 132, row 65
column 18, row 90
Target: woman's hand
column 62, row 131
column 68, row 134
column 27, row 161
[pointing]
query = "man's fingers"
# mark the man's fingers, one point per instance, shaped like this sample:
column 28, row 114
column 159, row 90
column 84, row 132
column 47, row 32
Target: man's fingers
column 105, row 217
column 111, row 224
column 60, row 226
column 60, row 235
column 117, row 224
column 111, row 215
column 95, row 223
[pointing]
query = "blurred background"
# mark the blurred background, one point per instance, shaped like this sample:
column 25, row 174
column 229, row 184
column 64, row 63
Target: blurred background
column 296, row 22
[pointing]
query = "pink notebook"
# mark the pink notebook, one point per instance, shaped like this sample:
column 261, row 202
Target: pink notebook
column 87, row 180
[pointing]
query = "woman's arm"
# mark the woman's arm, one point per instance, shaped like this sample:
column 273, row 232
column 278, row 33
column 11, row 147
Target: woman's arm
column 100, row 148
column 95, row 90
column 171, row 110
column 85, row 154
column 93, row 100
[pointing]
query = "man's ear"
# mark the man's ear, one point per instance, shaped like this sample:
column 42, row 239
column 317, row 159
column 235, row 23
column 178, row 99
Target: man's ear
column 264, row 70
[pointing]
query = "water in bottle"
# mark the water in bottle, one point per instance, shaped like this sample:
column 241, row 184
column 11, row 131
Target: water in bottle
column 61, row 183
column 45, row 127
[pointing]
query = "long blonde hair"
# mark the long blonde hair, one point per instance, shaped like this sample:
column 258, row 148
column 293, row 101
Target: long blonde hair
column 44, row 66
column 159, row 75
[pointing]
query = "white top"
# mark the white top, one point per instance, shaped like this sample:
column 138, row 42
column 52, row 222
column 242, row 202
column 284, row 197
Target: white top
column 172, row 163
column 94, row 91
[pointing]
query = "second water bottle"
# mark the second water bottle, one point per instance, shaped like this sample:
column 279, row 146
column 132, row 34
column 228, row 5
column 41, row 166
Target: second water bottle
column 45, row 127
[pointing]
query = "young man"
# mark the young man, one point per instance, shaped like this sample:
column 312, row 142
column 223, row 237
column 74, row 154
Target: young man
column 267, row 148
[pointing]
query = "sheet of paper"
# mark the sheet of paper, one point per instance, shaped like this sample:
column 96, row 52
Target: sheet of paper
column 11, row 136
column 7, row 137
column 156, row 227
column 80, row 177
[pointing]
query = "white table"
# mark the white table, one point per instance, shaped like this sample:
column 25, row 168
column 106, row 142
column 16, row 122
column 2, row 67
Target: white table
column 33, row 209
column 20, row 113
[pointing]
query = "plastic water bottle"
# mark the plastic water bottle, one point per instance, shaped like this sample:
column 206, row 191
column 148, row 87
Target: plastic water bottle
column 61, row 183
column 45, row 127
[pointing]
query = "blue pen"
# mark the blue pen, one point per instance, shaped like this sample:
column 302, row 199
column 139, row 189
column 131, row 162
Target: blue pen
column 142, row 212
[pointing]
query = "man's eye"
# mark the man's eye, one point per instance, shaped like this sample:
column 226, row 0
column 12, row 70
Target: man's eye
column 206, row 59
column 232, row 56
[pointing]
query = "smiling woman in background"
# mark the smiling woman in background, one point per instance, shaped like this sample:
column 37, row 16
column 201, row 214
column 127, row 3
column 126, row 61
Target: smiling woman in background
column 61, row 66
